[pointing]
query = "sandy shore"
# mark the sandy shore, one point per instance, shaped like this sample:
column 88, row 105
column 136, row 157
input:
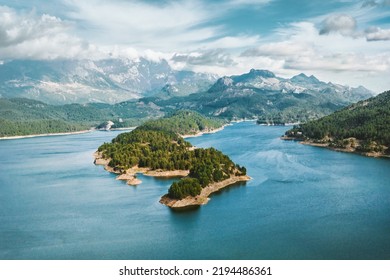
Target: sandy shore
column 203, row 197
column 46, row 134
column 172, row 173
column 123, row 128
column 131, row 174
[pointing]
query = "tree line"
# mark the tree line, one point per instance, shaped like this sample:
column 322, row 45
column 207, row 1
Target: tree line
column 367, row 121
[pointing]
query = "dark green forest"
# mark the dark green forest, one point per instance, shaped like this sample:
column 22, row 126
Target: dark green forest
column 368, row 121
column 158, row 145
column 11, row 128
column 22, row 116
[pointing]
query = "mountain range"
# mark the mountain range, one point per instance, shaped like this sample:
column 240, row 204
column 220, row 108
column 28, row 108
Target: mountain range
column 87, row 93
column 106, row 81
column 261, row 94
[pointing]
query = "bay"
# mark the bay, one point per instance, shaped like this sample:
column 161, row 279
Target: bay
column 302, row 203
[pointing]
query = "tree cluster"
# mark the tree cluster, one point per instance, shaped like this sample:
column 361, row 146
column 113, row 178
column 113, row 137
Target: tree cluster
column 164, row 149
column 367, row 121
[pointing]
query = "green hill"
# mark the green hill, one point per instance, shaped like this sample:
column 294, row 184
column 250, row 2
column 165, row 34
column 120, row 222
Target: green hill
column 21, row 116
column 362, row 127
column 184, row 122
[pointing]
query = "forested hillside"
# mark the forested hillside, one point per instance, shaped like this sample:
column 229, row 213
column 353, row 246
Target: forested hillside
column 21, row 116
column 363, row 126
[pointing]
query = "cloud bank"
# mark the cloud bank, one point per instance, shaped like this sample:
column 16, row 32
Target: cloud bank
column 223, row 37
column 27, row 35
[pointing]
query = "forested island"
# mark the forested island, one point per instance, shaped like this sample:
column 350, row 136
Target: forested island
column 363, row 128
column 157, row 148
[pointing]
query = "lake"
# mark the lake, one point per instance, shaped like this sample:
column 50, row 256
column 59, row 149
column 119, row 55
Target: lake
column 302, row 203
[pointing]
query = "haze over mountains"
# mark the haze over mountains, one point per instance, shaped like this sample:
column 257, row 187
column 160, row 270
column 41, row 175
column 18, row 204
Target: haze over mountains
column 106, row 81
column 116, row 80
column 261, row 94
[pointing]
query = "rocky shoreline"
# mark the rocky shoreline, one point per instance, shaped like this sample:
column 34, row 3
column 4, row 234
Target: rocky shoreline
column 206, row 131
column 345, row 150
column 337, row 149
column 203, row 197
column 131, row 178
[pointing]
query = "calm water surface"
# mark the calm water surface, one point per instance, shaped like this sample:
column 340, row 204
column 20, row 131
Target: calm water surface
column 302, row 203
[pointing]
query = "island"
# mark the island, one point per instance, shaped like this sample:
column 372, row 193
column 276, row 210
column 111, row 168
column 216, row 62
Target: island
column 362, row 128
column 157, row 148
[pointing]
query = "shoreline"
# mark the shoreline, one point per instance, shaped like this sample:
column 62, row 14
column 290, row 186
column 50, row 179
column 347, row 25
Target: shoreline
column 130, row 176
column 203, row 197
column 343, row 150
column 46, row 134
column 122, row 128
column 204, row 132
column 63, row 133
column 94, row 129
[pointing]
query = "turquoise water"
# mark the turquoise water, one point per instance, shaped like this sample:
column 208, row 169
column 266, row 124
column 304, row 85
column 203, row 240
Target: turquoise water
column 302, row 203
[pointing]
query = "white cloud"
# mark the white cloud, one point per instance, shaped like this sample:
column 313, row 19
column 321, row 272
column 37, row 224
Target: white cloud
column 339, row 62
column 343, row 24
column 27, row 35
column 377, row 34
column 231, row 42
column 300, row 48
column 215, row 57
column 280, row 49
column 191, row 36
column 164, row 27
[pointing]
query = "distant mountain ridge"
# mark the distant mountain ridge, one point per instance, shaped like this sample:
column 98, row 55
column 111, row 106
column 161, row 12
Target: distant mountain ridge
column 266, row 80
column 153, row 88
column 106, row 81
column 261, row 94
column 120, row 79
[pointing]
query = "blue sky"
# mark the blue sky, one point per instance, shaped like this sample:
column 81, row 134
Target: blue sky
column 345, row 41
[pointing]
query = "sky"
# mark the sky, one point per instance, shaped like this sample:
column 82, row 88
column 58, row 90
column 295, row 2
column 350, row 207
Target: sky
column 344, row 41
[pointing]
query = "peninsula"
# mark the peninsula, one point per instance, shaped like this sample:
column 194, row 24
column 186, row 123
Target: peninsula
column 362, row 128
column 157, row 148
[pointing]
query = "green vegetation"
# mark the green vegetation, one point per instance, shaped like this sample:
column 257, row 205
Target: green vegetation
column 184, row 188
column 21, row 116
column 158, row 145
column 364, row 126
column 254, row 103
column 11, row 128
column 194, row 122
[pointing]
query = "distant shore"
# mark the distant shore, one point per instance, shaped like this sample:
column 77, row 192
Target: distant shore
column 209, row 131
column 344, row 150
column 123, row 128
column 46, row 134
column 94, row 129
